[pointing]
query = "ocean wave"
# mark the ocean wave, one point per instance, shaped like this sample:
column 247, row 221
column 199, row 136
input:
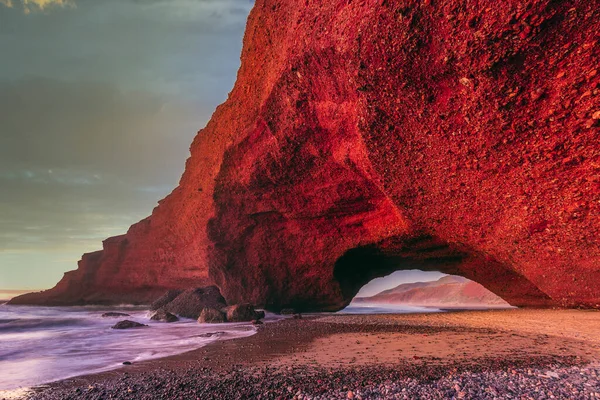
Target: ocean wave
column 32, row 324
column 45, row 344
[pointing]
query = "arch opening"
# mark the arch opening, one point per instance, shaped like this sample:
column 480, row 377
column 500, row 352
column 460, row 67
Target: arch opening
column 361, row 265
column 407, row 291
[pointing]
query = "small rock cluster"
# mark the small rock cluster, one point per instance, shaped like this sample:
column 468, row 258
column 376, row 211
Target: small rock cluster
column 236, row 313
column 191, row 302
column 206, row 305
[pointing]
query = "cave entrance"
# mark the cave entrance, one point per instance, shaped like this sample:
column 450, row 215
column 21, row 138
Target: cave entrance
column 434, row 258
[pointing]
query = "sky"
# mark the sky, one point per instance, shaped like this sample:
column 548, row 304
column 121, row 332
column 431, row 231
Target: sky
column 99, row 102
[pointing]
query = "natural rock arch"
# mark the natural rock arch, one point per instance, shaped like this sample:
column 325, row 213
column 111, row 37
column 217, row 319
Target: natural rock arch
column 359, row 266
column 356, row 128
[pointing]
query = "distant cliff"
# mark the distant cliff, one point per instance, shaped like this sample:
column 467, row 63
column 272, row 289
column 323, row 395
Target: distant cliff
column 365, row 137
column 451, row 291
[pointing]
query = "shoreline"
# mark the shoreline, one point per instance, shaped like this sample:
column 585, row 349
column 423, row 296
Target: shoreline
column 40, row 345
column 324, row 355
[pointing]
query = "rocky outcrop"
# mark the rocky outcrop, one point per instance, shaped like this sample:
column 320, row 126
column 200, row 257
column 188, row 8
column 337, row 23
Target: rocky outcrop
column 367, row 137
column 448, row 291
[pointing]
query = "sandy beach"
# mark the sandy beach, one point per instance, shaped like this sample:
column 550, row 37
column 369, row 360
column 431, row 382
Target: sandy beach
column 525, row 354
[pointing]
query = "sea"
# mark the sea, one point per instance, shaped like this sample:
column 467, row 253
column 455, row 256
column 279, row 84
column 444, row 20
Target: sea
column 39, row 345
column 366, row 308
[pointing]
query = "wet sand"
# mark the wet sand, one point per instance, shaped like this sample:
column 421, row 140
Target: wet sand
column 472, row 354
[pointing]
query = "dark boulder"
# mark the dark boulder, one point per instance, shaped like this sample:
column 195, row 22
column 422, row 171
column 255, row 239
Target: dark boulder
column 211, row 316
column 165, row 299
column 191, row 302
column 114, row 315
column 128, row 325
column 241, row 313
column 162, row 315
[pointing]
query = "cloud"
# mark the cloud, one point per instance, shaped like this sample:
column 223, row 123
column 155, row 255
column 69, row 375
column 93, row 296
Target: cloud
column 29, row 6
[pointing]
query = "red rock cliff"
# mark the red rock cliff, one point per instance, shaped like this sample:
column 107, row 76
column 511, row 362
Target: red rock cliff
column 363, row 137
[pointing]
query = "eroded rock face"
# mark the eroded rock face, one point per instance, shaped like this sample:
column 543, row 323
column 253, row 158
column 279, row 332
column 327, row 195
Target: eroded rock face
column 366, row 137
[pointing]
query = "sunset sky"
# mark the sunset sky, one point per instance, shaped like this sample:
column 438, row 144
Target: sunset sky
column 99, row 101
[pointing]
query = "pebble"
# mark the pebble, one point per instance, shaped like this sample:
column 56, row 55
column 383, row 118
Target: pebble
column 535, row 377
column 374, row 382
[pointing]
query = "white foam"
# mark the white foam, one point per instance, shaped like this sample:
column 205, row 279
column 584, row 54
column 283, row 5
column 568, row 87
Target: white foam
column 45, row 344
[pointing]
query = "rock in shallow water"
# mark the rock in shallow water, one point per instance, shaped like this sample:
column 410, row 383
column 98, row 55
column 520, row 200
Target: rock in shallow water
column 162, row 315
column 114, row 315
column 128, row 325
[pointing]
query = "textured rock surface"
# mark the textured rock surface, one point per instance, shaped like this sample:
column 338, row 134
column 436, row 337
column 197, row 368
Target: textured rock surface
column 364, row 137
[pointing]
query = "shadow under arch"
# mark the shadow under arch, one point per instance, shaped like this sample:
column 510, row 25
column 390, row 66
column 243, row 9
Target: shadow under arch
column 360, row 265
